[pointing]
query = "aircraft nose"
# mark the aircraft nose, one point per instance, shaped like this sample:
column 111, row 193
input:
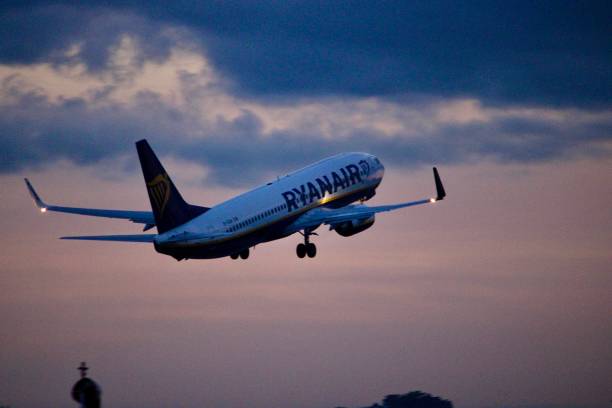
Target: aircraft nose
column 378, row 166
column 381, row 168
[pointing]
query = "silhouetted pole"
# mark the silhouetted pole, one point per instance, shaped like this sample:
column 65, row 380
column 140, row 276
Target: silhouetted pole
column 86, row 392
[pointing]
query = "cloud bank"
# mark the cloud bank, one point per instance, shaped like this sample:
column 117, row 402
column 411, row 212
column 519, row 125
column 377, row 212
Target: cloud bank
column 86, row 95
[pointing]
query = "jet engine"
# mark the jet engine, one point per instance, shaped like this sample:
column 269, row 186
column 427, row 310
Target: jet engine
column 352, row 227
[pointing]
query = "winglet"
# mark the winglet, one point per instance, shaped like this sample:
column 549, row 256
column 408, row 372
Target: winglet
column 439, row 187
column 39, row 203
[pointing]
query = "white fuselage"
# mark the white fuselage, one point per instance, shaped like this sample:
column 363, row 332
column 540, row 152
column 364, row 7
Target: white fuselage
column 270, row 211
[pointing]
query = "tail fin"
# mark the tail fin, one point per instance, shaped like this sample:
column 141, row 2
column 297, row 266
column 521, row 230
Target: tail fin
column 169, row 207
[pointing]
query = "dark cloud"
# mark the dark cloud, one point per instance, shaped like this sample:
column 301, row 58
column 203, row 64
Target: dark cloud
column 549, row 52
column 43, row 33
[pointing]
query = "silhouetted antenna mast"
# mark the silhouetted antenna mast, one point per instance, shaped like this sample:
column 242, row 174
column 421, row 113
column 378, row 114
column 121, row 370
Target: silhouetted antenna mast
column 83, row 369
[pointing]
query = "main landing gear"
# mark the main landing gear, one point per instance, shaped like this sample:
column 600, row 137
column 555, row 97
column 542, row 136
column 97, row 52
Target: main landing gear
column 244, row 254
column 307, row 248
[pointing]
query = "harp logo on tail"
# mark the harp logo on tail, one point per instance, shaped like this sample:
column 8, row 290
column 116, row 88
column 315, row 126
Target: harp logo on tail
column 159, row 191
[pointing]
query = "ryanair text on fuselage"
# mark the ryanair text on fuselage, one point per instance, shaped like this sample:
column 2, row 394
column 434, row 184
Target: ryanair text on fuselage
column 307, row 193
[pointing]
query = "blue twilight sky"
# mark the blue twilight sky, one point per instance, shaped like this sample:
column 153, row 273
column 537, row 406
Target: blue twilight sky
column 497, row 297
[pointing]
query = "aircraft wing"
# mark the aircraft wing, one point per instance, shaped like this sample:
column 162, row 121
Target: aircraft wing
column 139, row 217
column 333, row 217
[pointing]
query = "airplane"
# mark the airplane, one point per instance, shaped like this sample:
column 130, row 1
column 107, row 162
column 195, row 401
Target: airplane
column 323, row 193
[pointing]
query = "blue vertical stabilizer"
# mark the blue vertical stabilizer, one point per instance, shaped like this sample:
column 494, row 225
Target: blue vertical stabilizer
column 169, row 207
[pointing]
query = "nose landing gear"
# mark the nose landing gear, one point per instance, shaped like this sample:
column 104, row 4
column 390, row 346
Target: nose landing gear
column 307, row 248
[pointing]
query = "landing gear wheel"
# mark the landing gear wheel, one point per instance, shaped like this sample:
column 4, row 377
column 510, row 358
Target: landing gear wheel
column 244, row 254
column 300, row 250
column 311, row 250
column 307, row 248
column 234, row 256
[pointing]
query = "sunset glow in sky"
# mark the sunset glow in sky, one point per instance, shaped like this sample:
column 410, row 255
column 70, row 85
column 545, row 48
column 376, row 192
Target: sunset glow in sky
column 498, row 296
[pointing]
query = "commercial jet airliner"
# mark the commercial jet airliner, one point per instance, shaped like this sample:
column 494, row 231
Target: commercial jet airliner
column 322, row 193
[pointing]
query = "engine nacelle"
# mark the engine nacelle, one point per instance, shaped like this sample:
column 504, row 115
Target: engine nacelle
column 348, row 228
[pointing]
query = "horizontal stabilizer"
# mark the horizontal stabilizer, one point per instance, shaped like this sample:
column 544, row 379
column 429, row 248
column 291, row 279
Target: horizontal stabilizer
column 117, row 238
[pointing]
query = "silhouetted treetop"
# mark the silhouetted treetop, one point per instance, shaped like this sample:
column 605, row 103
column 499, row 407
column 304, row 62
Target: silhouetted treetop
column 414, row 399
